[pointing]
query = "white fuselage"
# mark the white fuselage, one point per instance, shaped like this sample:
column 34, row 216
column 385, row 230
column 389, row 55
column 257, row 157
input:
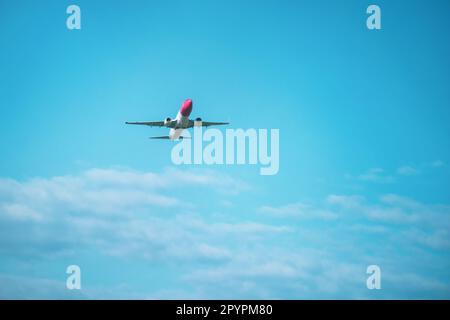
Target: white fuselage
column 182, row 123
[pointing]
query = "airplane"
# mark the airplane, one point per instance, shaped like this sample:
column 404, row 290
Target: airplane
column 180, row 122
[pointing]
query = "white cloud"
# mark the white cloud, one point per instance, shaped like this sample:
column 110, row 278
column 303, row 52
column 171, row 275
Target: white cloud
column 20, row 212
column 379, row 175
column 106, row 191
column 407, row 171
column 133, row 216
column 375, row 217
column 438, row 239
column 218, row 181
column 376, row 175
column 345, row 201
column 278, row 274
column 299, row 210
column 396, row 209
column 119, row 212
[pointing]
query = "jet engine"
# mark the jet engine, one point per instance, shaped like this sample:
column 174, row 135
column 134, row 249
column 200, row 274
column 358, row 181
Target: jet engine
column 167, row 121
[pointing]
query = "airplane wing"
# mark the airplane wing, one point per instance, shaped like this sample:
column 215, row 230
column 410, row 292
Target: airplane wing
column 207, row 123
column 150, row 123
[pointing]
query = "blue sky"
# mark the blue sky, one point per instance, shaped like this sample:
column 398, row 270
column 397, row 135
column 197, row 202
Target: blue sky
column 364, row 150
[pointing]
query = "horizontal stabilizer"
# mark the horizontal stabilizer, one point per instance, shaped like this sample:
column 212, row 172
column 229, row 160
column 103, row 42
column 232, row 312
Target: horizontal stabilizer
column 168, row 138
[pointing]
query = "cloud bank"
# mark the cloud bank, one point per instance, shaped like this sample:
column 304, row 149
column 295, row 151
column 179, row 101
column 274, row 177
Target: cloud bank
column 295, row 250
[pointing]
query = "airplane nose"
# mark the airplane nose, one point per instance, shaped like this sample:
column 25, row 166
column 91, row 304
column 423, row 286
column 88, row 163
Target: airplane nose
column 186, row 108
